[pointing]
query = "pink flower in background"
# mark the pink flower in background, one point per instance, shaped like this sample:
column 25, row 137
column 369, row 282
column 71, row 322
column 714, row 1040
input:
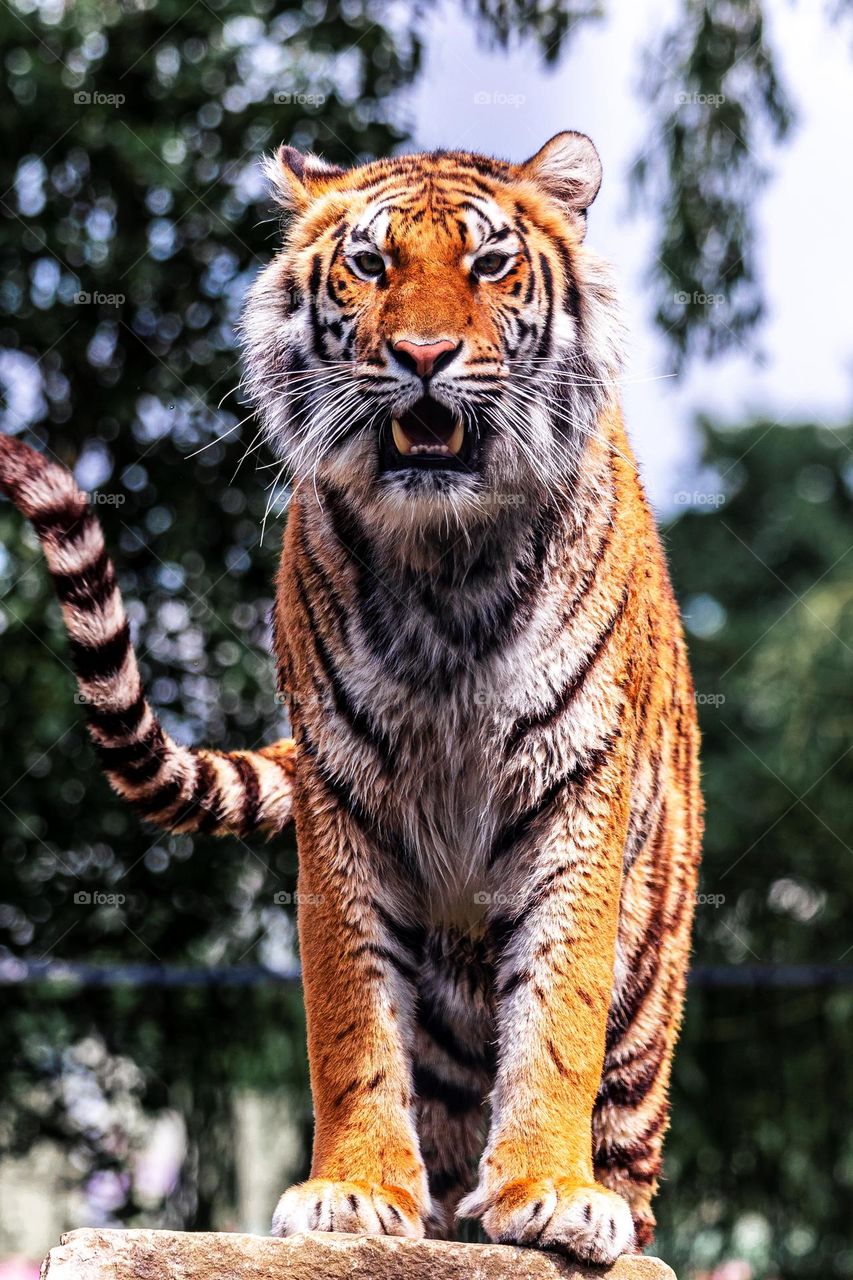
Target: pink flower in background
column 731, row 1269
column 18, row 1268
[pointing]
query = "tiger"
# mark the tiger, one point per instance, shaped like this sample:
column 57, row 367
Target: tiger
column 493, row 768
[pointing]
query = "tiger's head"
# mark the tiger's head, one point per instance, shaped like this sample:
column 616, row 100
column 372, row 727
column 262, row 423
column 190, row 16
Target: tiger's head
column 434, row 337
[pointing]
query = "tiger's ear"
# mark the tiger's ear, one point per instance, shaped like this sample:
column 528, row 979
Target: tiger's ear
column 568, row 168
column 297, row 178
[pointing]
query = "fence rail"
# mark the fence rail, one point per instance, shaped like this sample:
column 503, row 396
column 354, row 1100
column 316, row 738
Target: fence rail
column 72, row 973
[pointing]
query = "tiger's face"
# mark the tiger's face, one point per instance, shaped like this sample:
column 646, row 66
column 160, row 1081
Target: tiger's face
column 434, row 337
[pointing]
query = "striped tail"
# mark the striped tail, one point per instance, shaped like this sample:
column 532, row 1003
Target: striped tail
column 174, row 787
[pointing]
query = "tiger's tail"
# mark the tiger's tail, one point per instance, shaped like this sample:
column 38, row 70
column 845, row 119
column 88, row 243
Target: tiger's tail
column 176, row 788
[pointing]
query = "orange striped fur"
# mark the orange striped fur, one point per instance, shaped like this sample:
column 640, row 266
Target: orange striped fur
column 494, row 767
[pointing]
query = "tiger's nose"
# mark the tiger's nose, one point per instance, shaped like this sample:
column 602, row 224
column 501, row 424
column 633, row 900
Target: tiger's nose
column 424, row 358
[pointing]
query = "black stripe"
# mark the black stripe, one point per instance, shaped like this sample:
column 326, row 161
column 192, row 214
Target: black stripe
column 358, row 721
column 138, row 762
column 101, row 660
column 390, row 844
column 521, row 826
column 571, row 293
column 133, row 754
column 591, row 573
column 468, row 204
column 119, row 722
column 163, row 798
column 443, row 1181
column 410, row 936
column 630, row 1092
column 213, row 814
column 621, row 1156
column 544, row 347
column 431, row 1022
column 578, row 777
column 644, row 825
column 336, row 785
column 526, row 724
column 501, row 930
column 204, row 807
column 324, row 581
column 406, row 971
column 455, row 1098
column 514, row 981
column 251, row 792
column 64, row 522
column 313, row 312
column 89, row 587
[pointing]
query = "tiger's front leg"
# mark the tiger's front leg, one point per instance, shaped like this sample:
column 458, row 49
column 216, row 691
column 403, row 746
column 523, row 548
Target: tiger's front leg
column 367, row 1174
column 553, row 979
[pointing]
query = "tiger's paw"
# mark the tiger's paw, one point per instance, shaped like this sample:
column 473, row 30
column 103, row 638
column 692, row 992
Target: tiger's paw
column 363, row 1208
column 590, row 1223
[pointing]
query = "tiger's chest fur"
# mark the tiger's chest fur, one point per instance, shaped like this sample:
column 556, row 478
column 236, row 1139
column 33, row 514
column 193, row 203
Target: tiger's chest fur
column 414, row 671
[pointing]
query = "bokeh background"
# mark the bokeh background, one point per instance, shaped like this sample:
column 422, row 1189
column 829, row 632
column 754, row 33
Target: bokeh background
column 152, row 1064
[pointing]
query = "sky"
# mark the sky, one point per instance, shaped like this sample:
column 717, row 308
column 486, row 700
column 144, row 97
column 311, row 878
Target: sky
column 806, row 340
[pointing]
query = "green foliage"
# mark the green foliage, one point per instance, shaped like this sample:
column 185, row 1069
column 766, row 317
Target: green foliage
column 760, row 1159
column 715, row 94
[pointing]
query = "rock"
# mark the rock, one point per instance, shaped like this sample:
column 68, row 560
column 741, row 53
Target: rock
column 93, row 1254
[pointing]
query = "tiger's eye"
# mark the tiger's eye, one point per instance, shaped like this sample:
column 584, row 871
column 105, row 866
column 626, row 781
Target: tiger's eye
column 490, row 264
column 369, row 264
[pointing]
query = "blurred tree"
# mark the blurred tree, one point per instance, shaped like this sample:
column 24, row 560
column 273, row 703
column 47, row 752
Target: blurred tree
column 760, row 1163
column 714, row 92
column 718, row 105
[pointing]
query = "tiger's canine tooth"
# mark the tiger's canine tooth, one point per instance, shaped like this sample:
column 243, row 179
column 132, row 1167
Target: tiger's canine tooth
column 401, row 440
column 454, row 444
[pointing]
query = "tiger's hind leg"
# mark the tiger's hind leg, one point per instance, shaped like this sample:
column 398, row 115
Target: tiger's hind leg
column 453, row 1068
column 632, row 1108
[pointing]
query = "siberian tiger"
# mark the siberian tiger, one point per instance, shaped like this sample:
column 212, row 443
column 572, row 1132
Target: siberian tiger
column 494, row 765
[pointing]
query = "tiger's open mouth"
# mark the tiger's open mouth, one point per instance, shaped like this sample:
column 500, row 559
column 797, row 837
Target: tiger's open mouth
column 428, row 436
